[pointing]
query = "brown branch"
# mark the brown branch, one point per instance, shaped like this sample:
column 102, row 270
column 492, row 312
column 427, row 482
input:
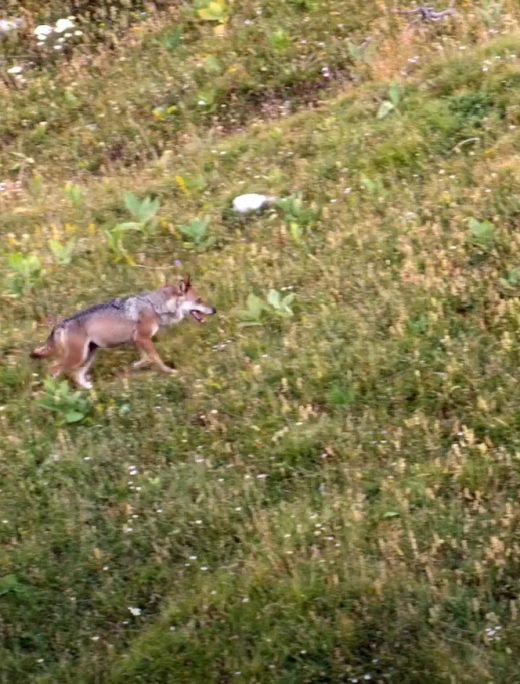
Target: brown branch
column 428, row 13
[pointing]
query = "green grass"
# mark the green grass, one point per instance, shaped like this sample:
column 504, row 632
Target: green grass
column 329, row 496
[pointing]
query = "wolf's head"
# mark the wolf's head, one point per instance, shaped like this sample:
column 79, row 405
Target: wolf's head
column 185, row 301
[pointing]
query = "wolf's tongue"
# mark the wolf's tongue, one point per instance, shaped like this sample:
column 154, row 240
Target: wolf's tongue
column 198, row 316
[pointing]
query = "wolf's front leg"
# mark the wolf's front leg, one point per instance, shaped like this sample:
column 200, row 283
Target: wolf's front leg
column 143, row 362
column 147, row 326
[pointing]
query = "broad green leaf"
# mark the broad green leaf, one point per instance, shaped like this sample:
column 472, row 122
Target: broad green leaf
column 384, row 109
column 215, row 10
column 389, row 515
column 132, row 203
column 128, row 225
column 212, row 65
column 172, row 40
column 15, row 260
column 273, row 298
column 74, row 416
column 280, row 40
column 394, row 93
column 255, row 304
column 9, row 584
column 296, row 231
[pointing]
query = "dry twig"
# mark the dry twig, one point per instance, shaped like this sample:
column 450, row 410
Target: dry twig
column 428, row 13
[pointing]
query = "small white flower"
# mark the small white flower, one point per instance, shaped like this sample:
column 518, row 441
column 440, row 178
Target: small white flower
column 78, row 33
column 63, row 25
column 15, row 70
column 94, row 638
column 58, row 47
column 135, row 611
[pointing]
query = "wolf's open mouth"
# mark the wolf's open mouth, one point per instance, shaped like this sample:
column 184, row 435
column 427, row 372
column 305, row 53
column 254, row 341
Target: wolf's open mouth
column 198, row 316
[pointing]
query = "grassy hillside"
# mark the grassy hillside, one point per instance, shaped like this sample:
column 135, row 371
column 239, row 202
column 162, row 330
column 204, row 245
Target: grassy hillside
column 330, row 494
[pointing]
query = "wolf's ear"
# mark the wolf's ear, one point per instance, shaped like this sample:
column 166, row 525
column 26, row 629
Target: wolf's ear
column 184, row 285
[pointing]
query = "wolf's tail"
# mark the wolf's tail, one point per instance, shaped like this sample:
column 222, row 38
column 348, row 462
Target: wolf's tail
column 48, row 348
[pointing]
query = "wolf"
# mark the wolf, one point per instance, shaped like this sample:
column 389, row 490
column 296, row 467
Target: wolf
column 134, row 319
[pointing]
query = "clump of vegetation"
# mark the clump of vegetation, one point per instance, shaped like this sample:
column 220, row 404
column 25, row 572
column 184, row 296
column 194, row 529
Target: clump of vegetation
column 259, row 308
column 68, row 406
column 196, row 235
column 63, row 252
column 26, row 270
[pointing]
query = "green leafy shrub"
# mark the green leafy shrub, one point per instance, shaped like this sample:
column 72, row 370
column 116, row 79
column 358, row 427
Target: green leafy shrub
column 258, row 310
column 63, row 253
column 196, row 234
column 391, row 104
column 483, row 233
column 299, row 218
column 27, row 273
column 69, row 406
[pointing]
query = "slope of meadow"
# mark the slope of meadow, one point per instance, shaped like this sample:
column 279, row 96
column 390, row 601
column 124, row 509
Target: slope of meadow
column 330, row 494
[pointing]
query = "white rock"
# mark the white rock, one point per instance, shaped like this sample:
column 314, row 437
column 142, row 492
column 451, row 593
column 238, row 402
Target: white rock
column 244, row 204
column 63, row 25
column 42, row 31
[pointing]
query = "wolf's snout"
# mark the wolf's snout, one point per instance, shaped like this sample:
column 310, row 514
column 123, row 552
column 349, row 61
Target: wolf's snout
column 213, row 310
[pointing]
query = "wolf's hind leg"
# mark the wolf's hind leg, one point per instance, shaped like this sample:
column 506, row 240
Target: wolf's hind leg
column 77, row 358
column 80, row 375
